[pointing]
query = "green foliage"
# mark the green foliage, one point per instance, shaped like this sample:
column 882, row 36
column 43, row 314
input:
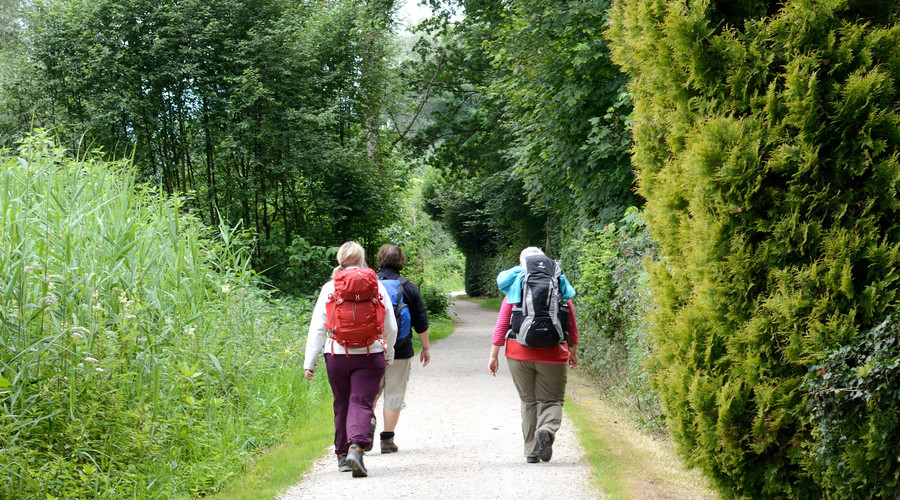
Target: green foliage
column 310, row 265
column 262, row 112
column 139, row 358
column 567, row 108
column 612, row 305
column 432, row 261
column 474, row 192
column 436, row 302
column 766, row 140
column 486, row 215
column 529, row 131
column 853, row 401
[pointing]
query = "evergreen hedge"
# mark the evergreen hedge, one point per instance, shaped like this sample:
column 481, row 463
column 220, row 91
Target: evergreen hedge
column 766, row 142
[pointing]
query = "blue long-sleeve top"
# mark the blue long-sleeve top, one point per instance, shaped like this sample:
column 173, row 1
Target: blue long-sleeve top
column 511, row 280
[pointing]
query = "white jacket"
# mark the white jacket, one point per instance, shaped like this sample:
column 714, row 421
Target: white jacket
column 318, row 340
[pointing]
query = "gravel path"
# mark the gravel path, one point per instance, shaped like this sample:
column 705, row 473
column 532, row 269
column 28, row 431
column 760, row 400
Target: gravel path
column 459, row 437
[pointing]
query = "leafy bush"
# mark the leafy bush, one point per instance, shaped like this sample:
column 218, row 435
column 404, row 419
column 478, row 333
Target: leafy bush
column 436, row 302
column 766, row 141
column 612, row 305
column 853, row 400
column 137, row 356
column 309, row 265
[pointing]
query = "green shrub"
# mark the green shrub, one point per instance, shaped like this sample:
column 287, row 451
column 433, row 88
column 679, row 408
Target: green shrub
column 436, row 302
column 854, row 398
column 766, row 141
column 612, row 305
column 137, row 356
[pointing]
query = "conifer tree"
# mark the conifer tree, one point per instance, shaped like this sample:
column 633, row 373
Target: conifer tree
column 766, row 142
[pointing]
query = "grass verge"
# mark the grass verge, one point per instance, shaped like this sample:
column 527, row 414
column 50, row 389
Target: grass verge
column 283, row 466
column 626, row 461
column 492, row 303
column 438, row 328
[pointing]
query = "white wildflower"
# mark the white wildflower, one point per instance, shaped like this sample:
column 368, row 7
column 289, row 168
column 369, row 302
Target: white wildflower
column 95, row 295
column 129, row 304
column 48, row 300
column 80, row 365
column 100, row 369
column 33, row 267
column 51, row 286
column 226, row 288
column 80, row 329
column 92, row 360
column 190, row 330
column 123, row 297
column 141, row 340
column 77, row 336
column 131, row 316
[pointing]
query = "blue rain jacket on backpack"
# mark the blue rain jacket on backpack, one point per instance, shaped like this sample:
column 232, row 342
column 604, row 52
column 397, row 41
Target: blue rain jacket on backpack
column 511, row 280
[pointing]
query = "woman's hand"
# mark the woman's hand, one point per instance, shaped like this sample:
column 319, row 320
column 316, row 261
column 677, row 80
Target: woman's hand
column 493, row 361
column 309, row 374
column 573, row 358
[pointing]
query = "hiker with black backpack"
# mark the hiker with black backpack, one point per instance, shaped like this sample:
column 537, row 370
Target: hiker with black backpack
column 537, row 326
column 353, row 321
column 410, row 312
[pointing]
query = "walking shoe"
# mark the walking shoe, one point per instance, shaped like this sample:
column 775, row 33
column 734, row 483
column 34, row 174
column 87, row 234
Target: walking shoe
column 545, row 445
column 342, row 463
column 388, row 446
column 355, row 461
column 372, row 424
column 532, row 460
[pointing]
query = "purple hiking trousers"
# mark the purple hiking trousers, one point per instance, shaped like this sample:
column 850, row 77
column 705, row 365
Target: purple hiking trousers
column 355, row 380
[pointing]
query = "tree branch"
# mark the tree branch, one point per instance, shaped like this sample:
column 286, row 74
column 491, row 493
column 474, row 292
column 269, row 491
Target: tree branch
column 437, row 71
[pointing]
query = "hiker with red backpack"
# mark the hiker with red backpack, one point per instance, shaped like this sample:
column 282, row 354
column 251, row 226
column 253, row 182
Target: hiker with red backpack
column 409, row 308
column 537, row 326
column 353, row 321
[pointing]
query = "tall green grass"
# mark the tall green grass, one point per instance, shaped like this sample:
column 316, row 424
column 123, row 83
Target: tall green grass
column 138, row 358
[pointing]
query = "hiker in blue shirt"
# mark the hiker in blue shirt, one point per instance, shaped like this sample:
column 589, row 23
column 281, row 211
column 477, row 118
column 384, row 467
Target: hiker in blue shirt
column 390, row 262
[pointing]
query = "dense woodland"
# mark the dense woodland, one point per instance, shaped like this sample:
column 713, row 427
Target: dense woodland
column 718, row 178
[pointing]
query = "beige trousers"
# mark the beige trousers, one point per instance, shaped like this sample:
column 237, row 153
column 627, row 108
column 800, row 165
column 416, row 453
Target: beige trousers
column 542, row 390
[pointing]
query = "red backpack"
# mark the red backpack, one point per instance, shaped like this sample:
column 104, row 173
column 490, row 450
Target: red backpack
column 354, row 312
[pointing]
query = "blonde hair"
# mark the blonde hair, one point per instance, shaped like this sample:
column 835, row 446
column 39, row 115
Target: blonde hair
column 351, row 254
column 528, row 252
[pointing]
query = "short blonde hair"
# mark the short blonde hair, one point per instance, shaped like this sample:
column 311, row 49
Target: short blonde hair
column 529, row 252
column 351, row 254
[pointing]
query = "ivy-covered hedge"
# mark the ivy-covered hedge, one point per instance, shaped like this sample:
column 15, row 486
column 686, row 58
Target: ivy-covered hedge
column 766, row 140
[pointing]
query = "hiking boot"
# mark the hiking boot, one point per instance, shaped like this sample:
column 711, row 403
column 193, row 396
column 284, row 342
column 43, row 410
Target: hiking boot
column 545, row 445
column 355, row 461
column 342, row 463
column 532, row 460
column 371, row 443
column 388, row 446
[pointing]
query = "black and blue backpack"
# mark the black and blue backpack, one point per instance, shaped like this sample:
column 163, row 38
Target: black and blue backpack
column 401, row 309
column 542, row 318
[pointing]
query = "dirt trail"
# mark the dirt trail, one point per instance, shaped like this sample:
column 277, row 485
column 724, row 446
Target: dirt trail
column 459, row 437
